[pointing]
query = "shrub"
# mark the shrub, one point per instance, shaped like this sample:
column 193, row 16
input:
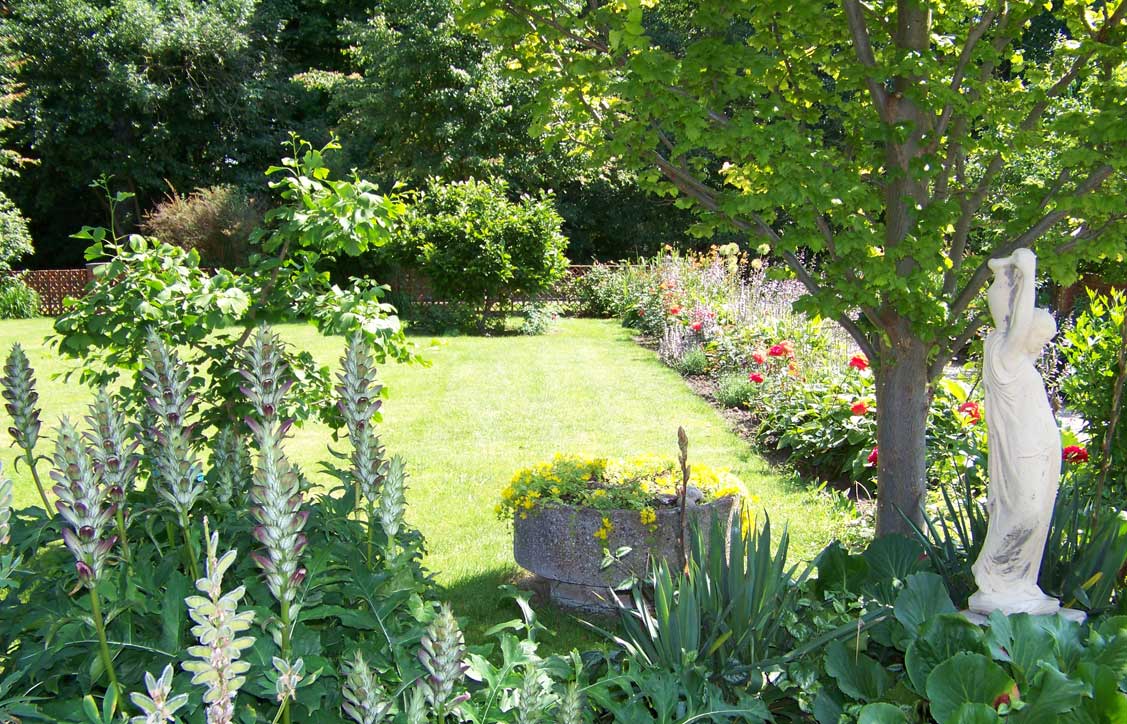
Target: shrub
column 15, row 239
column 17, row 299
column 216, row 221
column 1094, row 349
column 593, row 294
column 480, row 249
column 538, row 319
column 694, row 362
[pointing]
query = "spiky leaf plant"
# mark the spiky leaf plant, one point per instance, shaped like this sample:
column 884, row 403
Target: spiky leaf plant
column 219, row 625
column 18, row 385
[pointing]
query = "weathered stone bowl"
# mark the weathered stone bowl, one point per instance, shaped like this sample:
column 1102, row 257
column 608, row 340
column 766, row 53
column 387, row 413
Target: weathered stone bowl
column 558, row 544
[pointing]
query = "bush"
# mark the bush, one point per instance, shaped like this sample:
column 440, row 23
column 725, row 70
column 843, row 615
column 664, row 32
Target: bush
column 1096, row 375
column 480, row 249
column 216, row 221
column 15, row 239
column 594, row 294
column 538, row 319
column 17, row 299
column 694, row 362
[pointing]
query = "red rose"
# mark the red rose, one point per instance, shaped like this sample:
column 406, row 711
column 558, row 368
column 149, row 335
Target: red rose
column 859, row 361
column 776, row 351
column 1074, row 454
column 873, row 456
column 971, row 410
column 674, row 311
column 859, row 408
column 759, row 356
column 756, row 378
column 697, row 326
column 641, row 312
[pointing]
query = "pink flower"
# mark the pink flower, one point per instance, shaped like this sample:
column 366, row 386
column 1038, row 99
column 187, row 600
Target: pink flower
column 859, row 408
column 972, row 411
column 873, row 456
column 759, row 356
column 859, row 361
column 776, row 351
column 697, row 326
column 756, row 378
column 1074, row 454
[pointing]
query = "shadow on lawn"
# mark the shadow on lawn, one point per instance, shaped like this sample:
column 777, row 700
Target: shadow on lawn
column 480, row 603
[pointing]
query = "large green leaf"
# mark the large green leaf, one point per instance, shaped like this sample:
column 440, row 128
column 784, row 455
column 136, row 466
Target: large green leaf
column 941, row 638
column 1052, row 694
column 840, row 571
column 924, row 597
column 881, row 713
column 892, row 559
column 857, row 675
column 974, row 714
column 965, row 678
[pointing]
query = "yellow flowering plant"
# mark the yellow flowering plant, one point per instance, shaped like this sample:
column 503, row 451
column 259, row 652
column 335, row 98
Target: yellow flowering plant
column 640, row 484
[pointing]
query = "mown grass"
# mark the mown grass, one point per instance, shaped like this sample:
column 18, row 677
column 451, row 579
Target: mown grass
column 486, row 407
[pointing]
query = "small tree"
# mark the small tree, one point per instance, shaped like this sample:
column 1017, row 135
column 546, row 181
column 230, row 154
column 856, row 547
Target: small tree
column 904, row 143
column 480, row 249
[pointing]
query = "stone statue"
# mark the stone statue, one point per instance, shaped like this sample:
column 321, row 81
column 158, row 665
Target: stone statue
column 1025, row 451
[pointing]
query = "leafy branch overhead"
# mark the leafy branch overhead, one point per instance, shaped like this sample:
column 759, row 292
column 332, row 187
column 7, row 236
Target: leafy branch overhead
column 903, row 144
column 146, row 285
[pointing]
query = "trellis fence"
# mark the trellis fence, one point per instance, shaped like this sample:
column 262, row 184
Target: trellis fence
column 55, row 285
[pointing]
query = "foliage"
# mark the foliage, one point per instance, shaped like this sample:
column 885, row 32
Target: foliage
column 1021, row 668
column 148, row 286
column 339, row 602
column 1094, row 350
column 15, row 239
column 603, row 484
column 17, row 299
column 538, row 319
column 216, row 221
column 1085, row 550
column 901, row 161
column 152, row 92
column 428, row 98
column 593, row 293
column 479, row 249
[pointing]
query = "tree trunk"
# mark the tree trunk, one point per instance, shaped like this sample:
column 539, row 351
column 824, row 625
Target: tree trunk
column 902, row 404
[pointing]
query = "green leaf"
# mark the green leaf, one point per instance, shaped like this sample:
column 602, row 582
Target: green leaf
column 840, row 571
column 974, row 714
column 941, row 638
column 881, row 713
column 94, row 252
column 965, row 678
column 924, row 596
column 1051, row 695
column 857, row 674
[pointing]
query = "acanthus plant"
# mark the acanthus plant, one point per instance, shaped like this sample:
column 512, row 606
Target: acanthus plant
column 276, row 490
column 359, row 405
column 87, row 516
column 19, row 390
column 219, row 628
column 178, row 479
column 230, row 465
column 113, row 450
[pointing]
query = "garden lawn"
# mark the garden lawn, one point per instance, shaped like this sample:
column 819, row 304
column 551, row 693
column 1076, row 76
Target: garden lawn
column 486, row 407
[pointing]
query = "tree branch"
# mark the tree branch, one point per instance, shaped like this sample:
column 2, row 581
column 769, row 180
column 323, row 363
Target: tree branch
column 973, row 37
column 1035, row 232
column 946, row 354
column 855, row 17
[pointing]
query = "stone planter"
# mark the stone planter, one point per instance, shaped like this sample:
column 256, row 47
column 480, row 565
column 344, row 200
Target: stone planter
column 558, row 544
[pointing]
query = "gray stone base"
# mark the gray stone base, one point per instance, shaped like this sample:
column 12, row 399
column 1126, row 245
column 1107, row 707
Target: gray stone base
column 1070, row 614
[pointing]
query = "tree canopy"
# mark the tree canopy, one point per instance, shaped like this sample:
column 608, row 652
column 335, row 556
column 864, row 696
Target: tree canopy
column 904, row 143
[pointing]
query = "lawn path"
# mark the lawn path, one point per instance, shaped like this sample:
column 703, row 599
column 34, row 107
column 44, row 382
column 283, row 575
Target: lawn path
column 488, row 406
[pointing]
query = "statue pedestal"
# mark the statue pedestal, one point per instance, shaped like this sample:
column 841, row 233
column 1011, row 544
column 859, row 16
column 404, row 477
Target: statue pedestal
column 1070, row 614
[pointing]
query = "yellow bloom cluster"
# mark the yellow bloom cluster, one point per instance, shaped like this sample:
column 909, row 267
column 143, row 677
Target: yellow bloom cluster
column 609, row 484
column 604, row 530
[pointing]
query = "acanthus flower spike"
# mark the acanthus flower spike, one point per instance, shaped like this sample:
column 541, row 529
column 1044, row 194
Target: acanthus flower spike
column 18, row 388
column 82, row 504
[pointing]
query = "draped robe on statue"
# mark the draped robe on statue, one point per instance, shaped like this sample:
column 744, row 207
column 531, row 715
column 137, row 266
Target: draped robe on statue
column 1024, row 473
